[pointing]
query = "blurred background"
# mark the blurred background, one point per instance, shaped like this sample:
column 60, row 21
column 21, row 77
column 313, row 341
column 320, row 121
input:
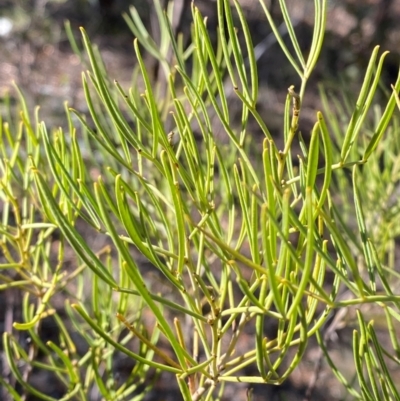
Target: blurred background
column 36, row 54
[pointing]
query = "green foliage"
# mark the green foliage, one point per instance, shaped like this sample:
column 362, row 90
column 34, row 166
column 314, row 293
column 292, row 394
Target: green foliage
column 238, row 239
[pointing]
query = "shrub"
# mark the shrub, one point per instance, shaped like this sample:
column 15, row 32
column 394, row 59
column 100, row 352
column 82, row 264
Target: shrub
column 186, row 246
